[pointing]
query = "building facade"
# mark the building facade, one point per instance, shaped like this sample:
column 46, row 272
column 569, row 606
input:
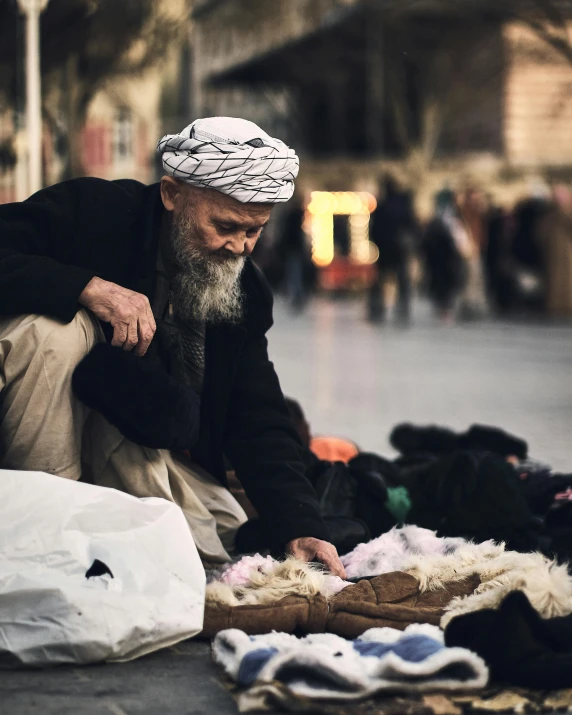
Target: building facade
column 141, row 100
column 361, row 87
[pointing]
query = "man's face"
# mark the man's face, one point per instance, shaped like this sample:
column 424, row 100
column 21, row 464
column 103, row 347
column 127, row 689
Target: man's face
column 211, row 234
column 224, row 227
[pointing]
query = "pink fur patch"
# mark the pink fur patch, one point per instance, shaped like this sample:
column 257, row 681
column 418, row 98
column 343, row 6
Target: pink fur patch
column 239, row 574
column 390, row 551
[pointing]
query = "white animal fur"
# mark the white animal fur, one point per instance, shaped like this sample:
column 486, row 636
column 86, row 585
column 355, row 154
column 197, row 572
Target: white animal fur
column 284, row 578
column 547, row 585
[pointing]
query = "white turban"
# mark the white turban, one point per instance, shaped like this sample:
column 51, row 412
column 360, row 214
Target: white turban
column 233, row 156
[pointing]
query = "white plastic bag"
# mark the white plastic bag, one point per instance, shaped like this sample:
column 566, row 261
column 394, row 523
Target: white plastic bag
column 52, row 530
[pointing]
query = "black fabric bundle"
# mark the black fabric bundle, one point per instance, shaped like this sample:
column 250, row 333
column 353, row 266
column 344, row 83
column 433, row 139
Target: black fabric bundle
column 459, row 485
column 558, row 530
column 541, row 486
column 518, row 645
column 475, row 495
column 350, row 496
column 410, row 439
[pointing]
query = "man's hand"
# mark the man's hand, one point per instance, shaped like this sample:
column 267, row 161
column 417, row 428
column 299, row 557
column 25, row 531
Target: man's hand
column 309, row 549
column 128, row 312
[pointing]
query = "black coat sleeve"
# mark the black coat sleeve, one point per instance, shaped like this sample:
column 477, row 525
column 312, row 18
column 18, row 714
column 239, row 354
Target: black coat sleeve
column 265, row 450
column 36, row 237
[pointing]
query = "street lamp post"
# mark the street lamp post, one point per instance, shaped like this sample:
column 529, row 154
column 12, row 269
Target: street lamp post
column 32, row 9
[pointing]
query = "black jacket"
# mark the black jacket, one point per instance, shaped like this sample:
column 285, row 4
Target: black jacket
column 392, row 227
column 51, row 246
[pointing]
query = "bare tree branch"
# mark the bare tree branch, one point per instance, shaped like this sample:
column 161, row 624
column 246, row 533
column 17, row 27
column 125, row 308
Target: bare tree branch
column 85, row 43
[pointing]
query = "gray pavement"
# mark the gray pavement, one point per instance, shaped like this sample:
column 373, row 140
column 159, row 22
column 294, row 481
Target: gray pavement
column 358, row 381
column 177, row 681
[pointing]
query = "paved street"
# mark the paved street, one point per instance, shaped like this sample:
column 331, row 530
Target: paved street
column 355, row 380
column 358, row 381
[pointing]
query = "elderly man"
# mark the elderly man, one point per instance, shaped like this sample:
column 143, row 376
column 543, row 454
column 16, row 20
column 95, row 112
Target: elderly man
column 132, row 339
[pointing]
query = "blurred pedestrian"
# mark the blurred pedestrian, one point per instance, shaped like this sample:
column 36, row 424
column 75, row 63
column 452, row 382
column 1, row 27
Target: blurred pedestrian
column 496, row 259
column 393, row 229
column 556, row 232
column 473, row 211
column 523, row 278
column 444, row 243
column 526, row 244
column 293, row 248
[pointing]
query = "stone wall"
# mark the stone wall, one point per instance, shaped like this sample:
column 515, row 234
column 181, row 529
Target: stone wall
column 538, row 101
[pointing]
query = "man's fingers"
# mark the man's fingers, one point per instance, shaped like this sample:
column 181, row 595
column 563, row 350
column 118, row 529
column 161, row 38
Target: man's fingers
column 145, row 333
column 119, row 335
column 132, row 336
column 144, row 312
column 340, row 570
column 332, row 562
column 128, row 312
column 310, row 549
column 297, row 553
column 151, row 319
column 146, row 329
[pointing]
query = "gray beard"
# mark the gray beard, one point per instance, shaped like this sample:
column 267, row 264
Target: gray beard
column 204, row 288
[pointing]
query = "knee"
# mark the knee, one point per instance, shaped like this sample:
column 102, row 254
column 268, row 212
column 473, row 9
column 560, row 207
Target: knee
column 65, row 344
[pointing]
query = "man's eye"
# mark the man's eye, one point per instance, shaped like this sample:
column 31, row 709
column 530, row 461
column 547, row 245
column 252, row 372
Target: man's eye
column 225, row 228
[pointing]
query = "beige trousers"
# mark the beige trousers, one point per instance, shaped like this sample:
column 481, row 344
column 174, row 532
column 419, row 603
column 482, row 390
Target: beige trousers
column 44, row 427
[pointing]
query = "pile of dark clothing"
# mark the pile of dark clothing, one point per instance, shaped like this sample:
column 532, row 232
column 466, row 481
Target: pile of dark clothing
column 478, row 484
column 481, row 485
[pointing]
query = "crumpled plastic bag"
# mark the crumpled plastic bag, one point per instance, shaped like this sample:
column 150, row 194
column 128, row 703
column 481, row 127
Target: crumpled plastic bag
column 92, row 574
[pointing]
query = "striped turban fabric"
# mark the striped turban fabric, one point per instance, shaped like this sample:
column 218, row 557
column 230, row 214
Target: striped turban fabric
column 233, row 156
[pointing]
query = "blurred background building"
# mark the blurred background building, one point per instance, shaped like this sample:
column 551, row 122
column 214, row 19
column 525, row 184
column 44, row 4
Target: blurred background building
column 427, row 88
column 437, row 94
column 110, row 73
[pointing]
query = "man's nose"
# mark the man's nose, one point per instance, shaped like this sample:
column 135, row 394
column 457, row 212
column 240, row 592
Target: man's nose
column 241, row 245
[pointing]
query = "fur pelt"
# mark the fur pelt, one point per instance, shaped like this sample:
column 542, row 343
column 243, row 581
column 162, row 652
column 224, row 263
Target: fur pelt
column 139, row 397
column 270, row 584
column 547, row 585
column 412, row 439
column 390, row 551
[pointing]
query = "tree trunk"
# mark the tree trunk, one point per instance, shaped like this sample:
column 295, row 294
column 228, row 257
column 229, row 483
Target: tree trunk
column 434, row 106
column 375, row 77
column 75, row 107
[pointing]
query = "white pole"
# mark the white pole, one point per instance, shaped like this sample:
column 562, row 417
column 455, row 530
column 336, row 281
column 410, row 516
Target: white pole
column 21, row 177
column 32, row 10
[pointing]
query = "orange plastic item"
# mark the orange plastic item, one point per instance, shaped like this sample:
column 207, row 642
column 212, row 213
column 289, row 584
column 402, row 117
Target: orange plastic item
column 333, row 449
